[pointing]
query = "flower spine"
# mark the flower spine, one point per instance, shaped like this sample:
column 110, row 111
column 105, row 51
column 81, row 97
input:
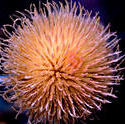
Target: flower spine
column 60, row 65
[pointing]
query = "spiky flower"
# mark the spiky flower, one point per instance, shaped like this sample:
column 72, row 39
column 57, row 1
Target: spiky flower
column 60, row 65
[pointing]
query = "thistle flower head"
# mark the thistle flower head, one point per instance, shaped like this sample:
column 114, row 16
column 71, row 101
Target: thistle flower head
column 60, row 65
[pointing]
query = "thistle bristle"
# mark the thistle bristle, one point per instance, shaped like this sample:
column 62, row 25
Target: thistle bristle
column 61, row 65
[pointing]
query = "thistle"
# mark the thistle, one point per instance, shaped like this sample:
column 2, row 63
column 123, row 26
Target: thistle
column 60, row 65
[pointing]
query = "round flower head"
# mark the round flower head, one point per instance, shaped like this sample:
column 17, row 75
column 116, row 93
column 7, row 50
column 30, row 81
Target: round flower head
column 61, row 65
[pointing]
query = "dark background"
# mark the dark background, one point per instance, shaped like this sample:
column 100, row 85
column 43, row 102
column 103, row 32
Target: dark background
column 110, row 11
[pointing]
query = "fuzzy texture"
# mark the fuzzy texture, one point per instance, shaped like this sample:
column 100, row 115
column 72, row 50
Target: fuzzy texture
column 60, row 65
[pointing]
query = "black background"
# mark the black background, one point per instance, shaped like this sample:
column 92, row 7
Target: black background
column 110, row 11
